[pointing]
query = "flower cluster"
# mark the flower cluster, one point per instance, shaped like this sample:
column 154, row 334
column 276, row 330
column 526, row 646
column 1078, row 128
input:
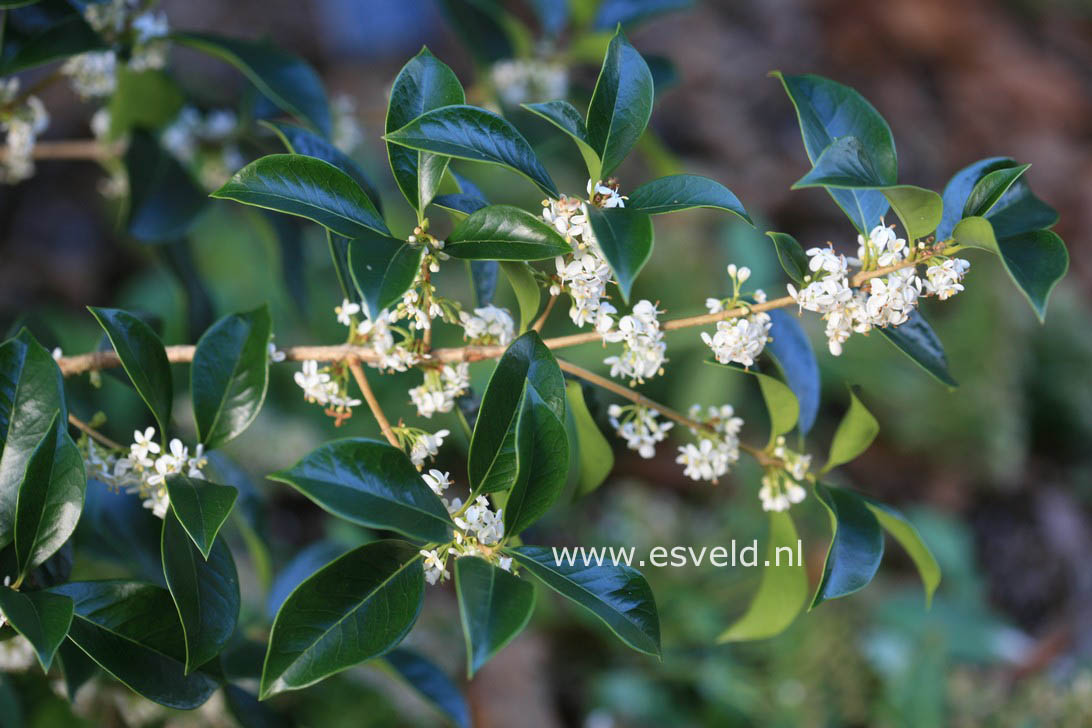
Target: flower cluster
column 639, row 427
column 643, row 348
column 441, row 387
column 421, row 444
column 22, row 123
column 781, row 486
column 320, row 386
column 144, row 469
column 488, row 325
column 519, row 81
column 743, row 338
column 126, row 24
column 477, row 528
column 717, row 448
column 584, row 273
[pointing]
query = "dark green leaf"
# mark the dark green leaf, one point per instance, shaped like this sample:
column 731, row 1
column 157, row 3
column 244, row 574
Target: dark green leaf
column 339, row 256
column 1019, row 211
column 959, row 189
column 144, row 359
column 781, row 403
column 431, row 682
column 353, row 609
column 528, row 293
column 625, row 236
column 904, row 532
column 479, row 23
column 42, row 618
column 919, row 210
column 827, row 111
column 468, row 132
column 302, row 565
column 855, row 433
column 201, row 507
column 855, row 549
column 77, row 667
column 307, row 187
column 147, row 99
column 372, row 484
column 49, row 31
column 527, row 364
column 917, row 340
column 229, row 375
column 988, row 190
column 250, row 713
column 285, row 79
column 782, row 592
column 205, row 590
column 845, row 163
column 132, row 631
column 423, row 84
column 459, row 202
column 791, row 349
column 565, row 117
column 383, row 269
column 50, row 497
column 618, row 595
column 542, row 464
column 620, row 105
column 503, row 232
column 791, row 256
column 684, row 192
column 494, row 606
column 484, row 274
column 596, row 458
column 165, row 201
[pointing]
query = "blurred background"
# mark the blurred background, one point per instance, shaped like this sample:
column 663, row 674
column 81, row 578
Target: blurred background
column 997, row 474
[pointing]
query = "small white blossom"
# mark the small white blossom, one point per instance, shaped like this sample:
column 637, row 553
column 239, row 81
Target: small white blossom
column 943, row 280
column 643, row 348
column 519, row 81
column 435, row 566
column 346, row 311
column 739, row 340
column 639, row 427
column 440, row 389
column 22, row 126
column 715, row 452
column 488, row 325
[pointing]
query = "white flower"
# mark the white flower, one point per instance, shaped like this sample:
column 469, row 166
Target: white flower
column 347, row 134
column 739, row 340
column 440, row 389
column 23, row 126
column 435, row 567
column 437, row 480
column 943, row 279
column 143, row 444
column 316, row 385
column 488, row 325
column 93, row 73
column 520, row 81
column 639, row 427
column 426, row 446
column 346, row 311
column 275, row 354
column 715, row 452
column 643, row 349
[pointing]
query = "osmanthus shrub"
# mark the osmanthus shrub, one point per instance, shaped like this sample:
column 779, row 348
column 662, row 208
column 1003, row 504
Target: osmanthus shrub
column 580, row 252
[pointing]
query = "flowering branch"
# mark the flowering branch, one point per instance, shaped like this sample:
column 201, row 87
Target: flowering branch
column 373, row 403
column 72, row 149
column 93, row 433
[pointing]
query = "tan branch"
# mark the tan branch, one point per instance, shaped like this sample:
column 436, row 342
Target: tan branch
column 373, row 403
column 93, row 433
column 73, row 149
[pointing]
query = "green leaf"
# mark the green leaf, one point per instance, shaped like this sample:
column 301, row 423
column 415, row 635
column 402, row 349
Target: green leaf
column 144, row 359
column 916, row 338
column 908, row 537
column 527, row 364
column 132, row 631
column 684, row 192
column 845, row 163
column 306, row 187
column 165, row 201
column 77, row 667
column 480, row 25
column 595, row 455
column 50, row 497
column 205, row 590
column 250, row 713
column 423, row 84
column 42, row 618
column 298, row 140
column 147, row 99
column 467, row 132
column 432, row 683
column 625, row 236
column 827, row 111
column 958, row 190
column 565, row 117
column 855, row 433
column 504, row 232
column 355, row 608
column 526, row 288
column 31, row 393
column 855, row 549
column 919, row 210
column 382, row 269
column 230, row 374
column 791, row 256
column 285, row 79
column 542, row 464
column 459, row 203
column 339, row 256
column 371, row 484
column 781, row 403
column 50, row 31
column 494, row 606
column 618, row 595
column 483, row 276
column 792, row 352
column 782, row 593
column 620, row 105
column 989, row 189
column 201, row 507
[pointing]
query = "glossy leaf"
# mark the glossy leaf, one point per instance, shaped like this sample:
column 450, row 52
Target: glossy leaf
column 684, row 192
column 594, row 453
column 827, row 111
column 459, row 202
column 494, row 606
column 565, row 117
column 618, row 595
column 480, row 25
column 528, row 293
column 855, row 433
column 298, row 140
column 165, row 201
column 989, row 189
column 144, row 359
column 307, row 187
column 527, row 364
column 423, row 84
column 791, row 256
column 131, row 630
column 303, row 564
column 353, row 609
column 625, row 236
column 42, row 618
column 620, row 105
column 791, row 349
column 958, row 190
column 205, row 590
column 371, row 484
column 77, row 667
column 783, row 591
column 339, row 256
column 50, row 497
column 249, row 712
column 896, row 524
column 468, row 132
column 201, row 507
column 917, row 340
column 855, row 549
column 148, row 99
column 49, row 31
column 484, row 274
column 781, row 403
column 844, row 163
column 229, row 375
column 919, row 210
column 432, row 683
column 382, row 269
column 503, row 232
column 283, row 78
column 542, row 464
